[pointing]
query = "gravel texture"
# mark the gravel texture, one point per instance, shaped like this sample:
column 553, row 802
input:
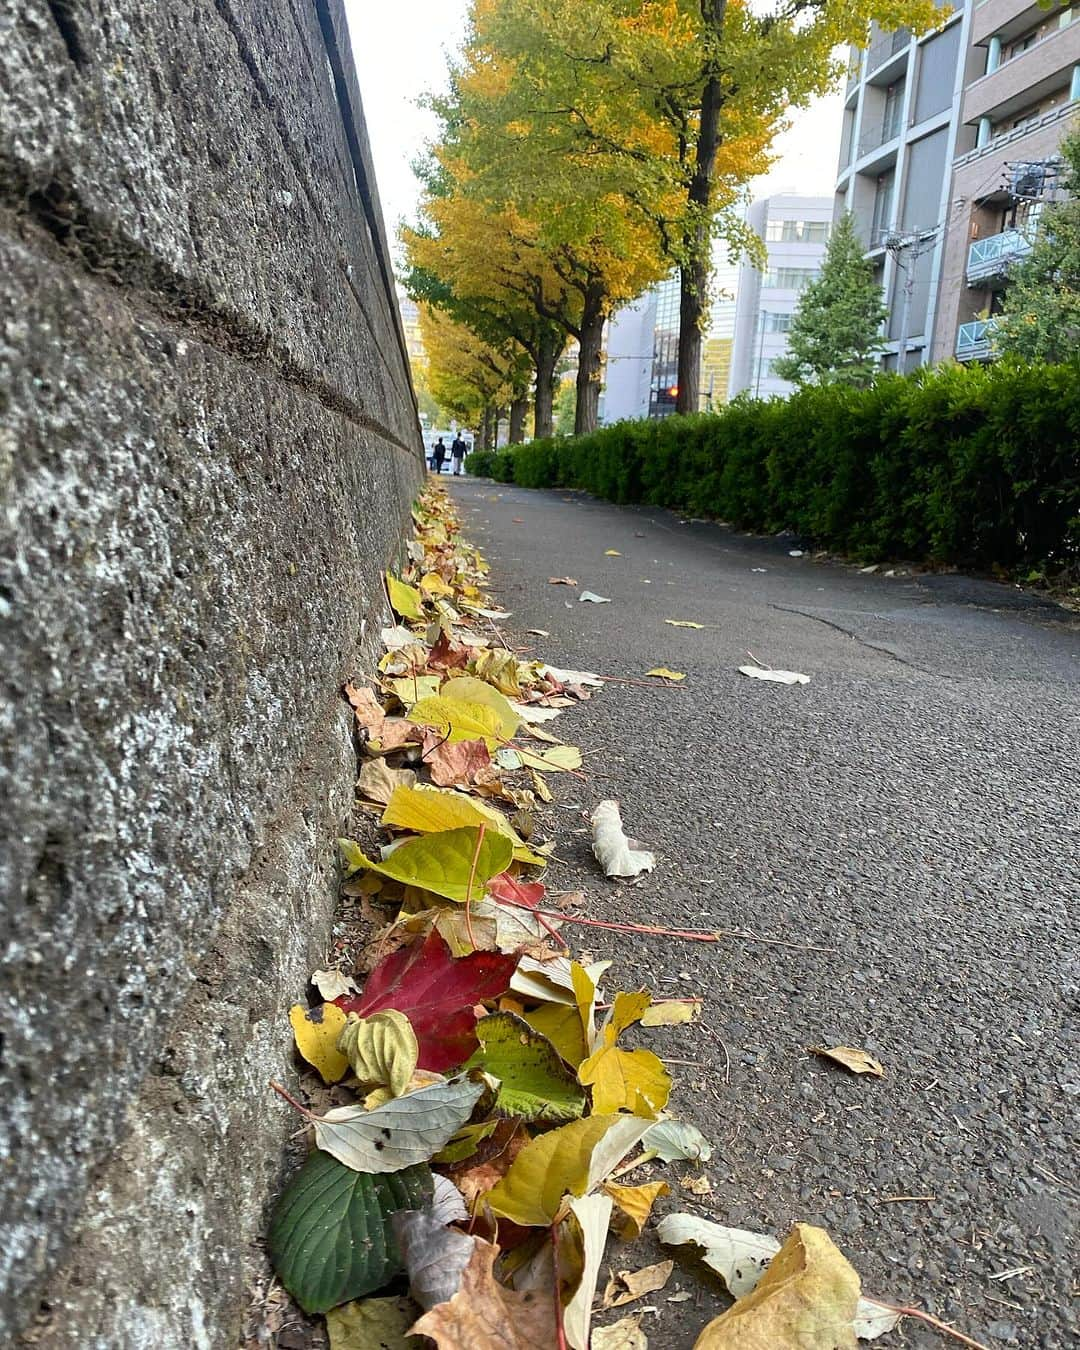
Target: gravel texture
column 913, row 809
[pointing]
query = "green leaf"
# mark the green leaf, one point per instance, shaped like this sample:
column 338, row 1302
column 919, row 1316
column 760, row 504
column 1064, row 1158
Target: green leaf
column 402, row 1132
column 330, row 1237
column 441, row 863
column 374, row 1324
column 533, row 1080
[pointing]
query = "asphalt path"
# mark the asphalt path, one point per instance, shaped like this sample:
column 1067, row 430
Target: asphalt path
column 914, row 809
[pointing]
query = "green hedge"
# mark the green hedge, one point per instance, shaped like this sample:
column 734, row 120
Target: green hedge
column 978, row 466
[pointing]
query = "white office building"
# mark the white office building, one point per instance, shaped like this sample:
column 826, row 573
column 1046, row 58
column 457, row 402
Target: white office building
column 795, row 231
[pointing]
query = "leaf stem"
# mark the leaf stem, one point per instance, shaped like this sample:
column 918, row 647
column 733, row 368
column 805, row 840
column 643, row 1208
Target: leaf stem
column 283, row 1092
column 469, row 887
column 931, row 1320
column 560, row 1333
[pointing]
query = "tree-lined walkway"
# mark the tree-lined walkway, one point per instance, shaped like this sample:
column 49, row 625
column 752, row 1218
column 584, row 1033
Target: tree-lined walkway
column 914, row 809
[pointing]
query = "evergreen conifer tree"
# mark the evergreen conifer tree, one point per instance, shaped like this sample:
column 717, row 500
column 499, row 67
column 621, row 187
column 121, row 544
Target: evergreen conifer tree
column 835, row 335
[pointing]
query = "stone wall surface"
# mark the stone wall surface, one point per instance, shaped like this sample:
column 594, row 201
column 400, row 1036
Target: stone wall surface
column 208, row 444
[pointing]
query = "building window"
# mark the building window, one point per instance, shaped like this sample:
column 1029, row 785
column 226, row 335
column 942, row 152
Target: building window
column 797, row 231
column 773, row 321
column 894, row 103
column 764, row 370
column 788, row 278
column 883, row 204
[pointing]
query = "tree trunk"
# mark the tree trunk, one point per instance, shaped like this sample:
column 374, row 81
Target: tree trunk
column 546, row 357
column 485, row 429
column 695, row 271
column 589, row 348
column 517, row 420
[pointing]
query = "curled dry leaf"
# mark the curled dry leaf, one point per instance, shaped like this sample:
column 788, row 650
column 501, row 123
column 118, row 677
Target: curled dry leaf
column 776, row 676
column 629, row 1285
column 616, row 854
column 382, row 1049
column 589, row 1215
column 593, row 599
column 807, row 1297
column 435, row 1256
column 675, row 1141
column 671, row 1012
column 635, row 1205
column 662, row 672
column 625, row 1334
column 377, row 781
column 561, row 581
column 332, row 984
column 368, row 712
column 484, row 1313
column 848, row 1057
column 684, row 623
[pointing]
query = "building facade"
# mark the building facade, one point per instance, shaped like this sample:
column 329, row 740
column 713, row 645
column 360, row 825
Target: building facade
column 641, row 358
column 1021, row 92
column 795, row 232
column 948, row 151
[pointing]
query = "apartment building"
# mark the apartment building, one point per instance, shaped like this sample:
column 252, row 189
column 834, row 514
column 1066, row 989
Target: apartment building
column 795, row 232
column 948, row 152
column 1021, row 94
column 901, row 120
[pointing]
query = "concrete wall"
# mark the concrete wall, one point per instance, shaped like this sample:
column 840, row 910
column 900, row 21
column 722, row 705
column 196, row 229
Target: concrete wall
column 208, row 443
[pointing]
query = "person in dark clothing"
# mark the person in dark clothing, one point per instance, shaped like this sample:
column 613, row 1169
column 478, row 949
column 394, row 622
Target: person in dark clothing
column 439, row 455
column 457, row 453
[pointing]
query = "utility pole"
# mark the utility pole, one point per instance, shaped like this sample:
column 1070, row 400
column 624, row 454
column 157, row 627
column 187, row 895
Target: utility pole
column 915, row 243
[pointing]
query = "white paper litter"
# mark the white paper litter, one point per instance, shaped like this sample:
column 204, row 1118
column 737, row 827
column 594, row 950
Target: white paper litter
column 616, row 854
column 593, row 598
column 777, row 676
column 534, row 713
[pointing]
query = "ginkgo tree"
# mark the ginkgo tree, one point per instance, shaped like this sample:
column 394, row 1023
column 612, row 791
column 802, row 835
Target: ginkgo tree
column 659, row 111
column 468, row 376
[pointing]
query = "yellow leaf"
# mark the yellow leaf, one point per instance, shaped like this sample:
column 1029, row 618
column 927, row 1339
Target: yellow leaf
column 469, row 689
column 566, row 1161
column 626, row 1010
column 459, row 721
column 540, row 787
column 806, row 1298
column 635, row 1204
column 684, row 623
column 432, row 584
column 429, row 810
column 442, row 863
column 555, row 760
column 498, row 668
column 421, row 1078
column 382, row 1049
column 612, row 553
column 570, row 1027
column 629, row 1285
column 671, row 1012
column 625, row 1080
column 405, row 600
column 857, row 1061
column 663, row 673
column 317, row 1031
column 409, row 691
column 371, row 1322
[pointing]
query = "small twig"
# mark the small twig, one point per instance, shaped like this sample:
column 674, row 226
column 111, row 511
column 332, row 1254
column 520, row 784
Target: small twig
column 560, row 1333
column 755, row 660
column 933, row 1321
column 896, row 1199
column 494, row 629
column 689, row 934
column 284, row 1092
column 468, row 888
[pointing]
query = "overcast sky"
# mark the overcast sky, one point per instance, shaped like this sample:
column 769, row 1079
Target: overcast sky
column 401, row 53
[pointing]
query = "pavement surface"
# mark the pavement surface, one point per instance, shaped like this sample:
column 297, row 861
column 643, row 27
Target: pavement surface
column 914, row 809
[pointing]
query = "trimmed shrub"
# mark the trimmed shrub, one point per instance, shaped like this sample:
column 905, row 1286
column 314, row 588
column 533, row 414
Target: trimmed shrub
column 972, row 465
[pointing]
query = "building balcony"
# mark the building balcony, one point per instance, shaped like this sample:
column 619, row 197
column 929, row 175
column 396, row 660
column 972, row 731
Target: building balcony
column 989, row 259
column 973, row 340
column 883, row 54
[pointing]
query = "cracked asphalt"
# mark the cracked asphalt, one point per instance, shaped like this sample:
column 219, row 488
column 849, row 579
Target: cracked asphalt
column 914, row 809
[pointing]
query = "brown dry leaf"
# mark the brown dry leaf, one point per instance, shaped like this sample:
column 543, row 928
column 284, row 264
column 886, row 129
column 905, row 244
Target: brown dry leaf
column 394, row 733
column 459, row 764
column 856, row 1061
column 490, row 1163
column 806, row 1298
column 483, row 1313
column 561, row 581
column 635, row 1205
column 377, row 781
column 366, row 707
column 697, row 1185
column 627, row 1285
column 626, row 1334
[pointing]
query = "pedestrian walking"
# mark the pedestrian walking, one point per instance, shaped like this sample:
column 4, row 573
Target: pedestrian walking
column 439, row 455
column 457, row 454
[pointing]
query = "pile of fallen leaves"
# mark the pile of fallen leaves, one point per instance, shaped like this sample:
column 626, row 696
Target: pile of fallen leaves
column 488, row 1104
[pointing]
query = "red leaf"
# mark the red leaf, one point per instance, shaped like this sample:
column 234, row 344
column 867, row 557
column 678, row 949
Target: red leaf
column 437, row 993
column 446, row 654
column 463, row 762
column 506, row 887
